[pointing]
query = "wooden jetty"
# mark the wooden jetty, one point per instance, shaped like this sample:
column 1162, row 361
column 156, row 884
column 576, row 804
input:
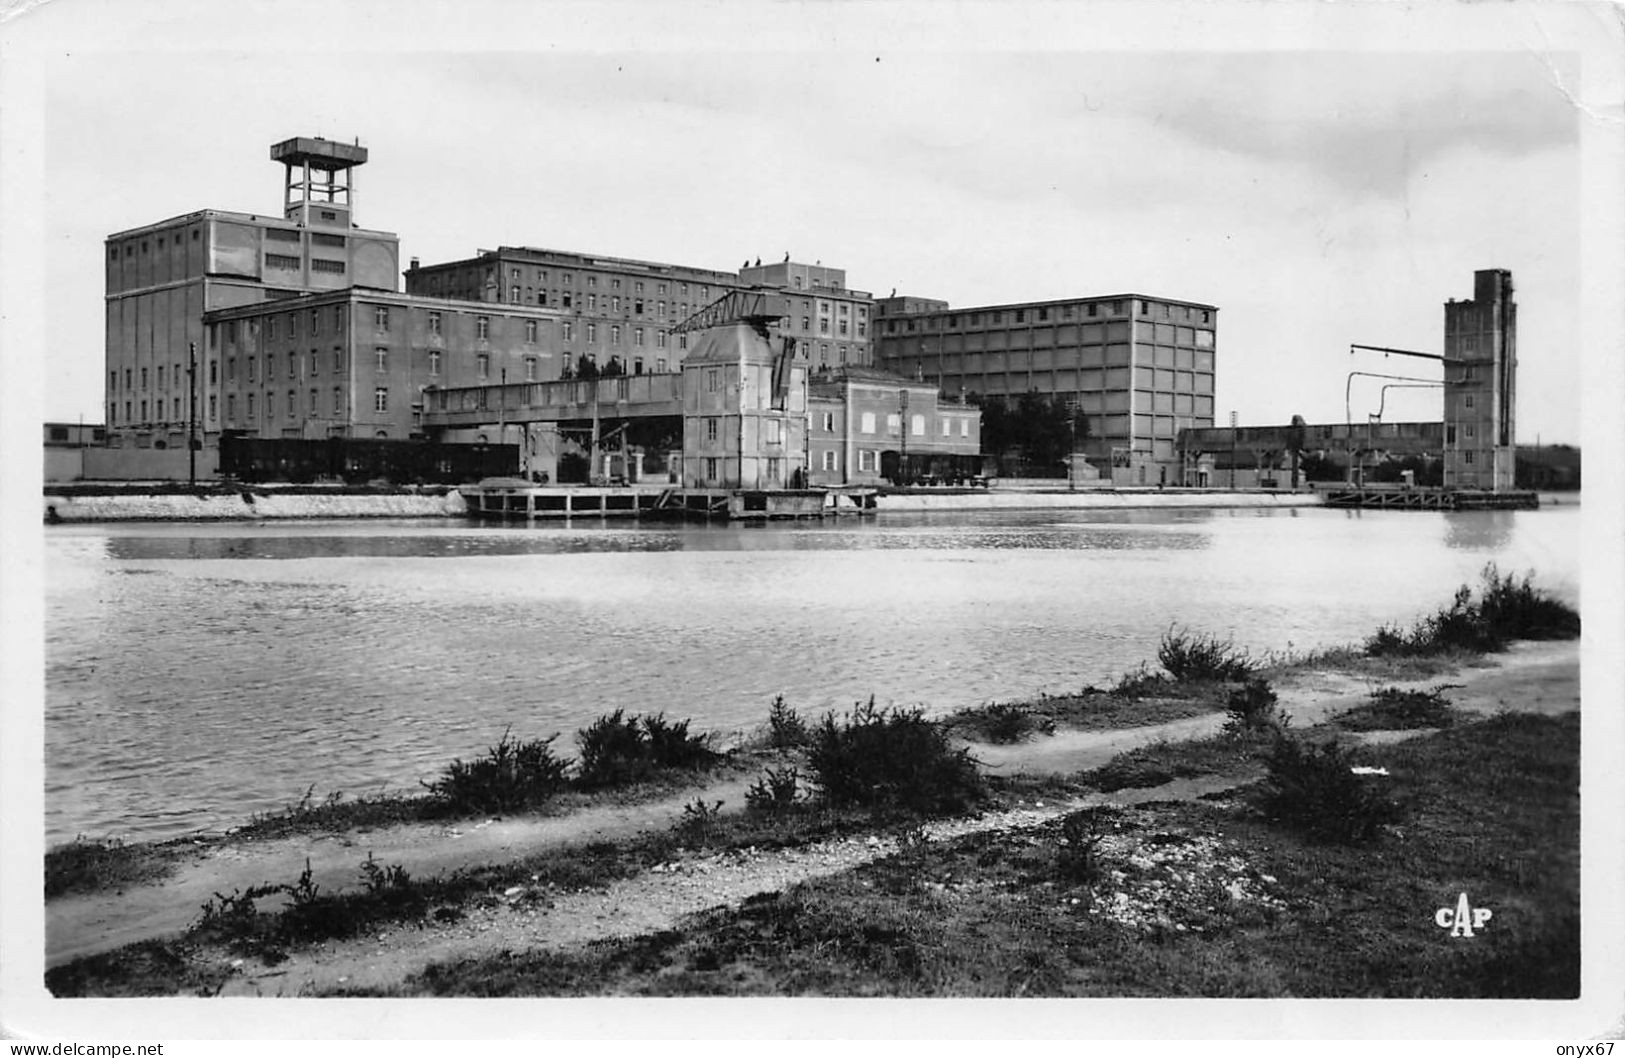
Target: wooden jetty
column 1417, row 498
column 515, row 498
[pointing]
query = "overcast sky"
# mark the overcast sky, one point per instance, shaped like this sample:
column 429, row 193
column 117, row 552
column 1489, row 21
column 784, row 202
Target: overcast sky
column 1324, row 175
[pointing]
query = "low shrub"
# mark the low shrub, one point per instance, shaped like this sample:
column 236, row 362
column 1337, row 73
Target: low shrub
column 618, row 749
column 891, row 759
column 1517, row 610
column 1312, row 788
column 1505, row 609
column 1251, row 710
column 1191, row 658
column 672, row 746
column 512, row 776
column 1077, row 848
column 777, row 792
column 785, row 727
column 308, row 914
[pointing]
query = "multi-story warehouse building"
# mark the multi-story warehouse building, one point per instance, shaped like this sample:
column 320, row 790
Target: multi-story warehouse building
column 626, row 309
column 608, row 307
column 356, row 362
column 162, row 278
column 1140, row 368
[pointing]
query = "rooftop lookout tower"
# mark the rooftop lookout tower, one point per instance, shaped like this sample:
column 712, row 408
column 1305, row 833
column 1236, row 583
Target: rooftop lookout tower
column 319, row 180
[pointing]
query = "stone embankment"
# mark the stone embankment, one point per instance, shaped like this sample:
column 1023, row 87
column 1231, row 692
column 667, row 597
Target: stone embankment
column 84, row 504
column 249, row 504
column 1002, row 499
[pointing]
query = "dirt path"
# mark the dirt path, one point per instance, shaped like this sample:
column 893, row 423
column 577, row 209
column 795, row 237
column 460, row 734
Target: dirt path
column 1531, row 677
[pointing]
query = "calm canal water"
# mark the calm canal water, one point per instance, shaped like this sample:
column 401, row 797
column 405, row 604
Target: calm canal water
column 199, row 673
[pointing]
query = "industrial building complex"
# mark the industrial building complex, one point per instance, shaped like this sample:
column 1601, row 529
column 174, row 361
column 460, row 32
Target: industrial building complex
column 294, row 326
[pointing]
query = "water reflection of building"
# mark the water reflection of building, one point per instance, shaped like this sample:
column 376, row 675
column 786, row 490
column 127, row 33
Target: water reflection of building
column 1479, row 530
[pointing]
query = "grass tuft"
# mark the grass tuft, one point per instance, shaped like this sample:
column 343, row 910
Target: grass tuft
column 1003, row 723
column 1394, row 709
column 85, row 866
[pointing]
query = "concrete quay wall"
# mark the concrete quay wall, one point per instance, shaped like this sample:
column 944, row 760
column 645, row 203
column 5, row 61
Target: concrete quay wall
column 265, row 504
column 1090, row 499
column 249, row 505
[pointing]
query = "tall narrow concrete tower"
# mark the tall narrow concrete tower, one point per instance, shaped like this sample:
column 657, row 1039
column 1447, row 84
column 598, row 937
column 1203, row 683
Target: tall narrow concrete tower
column 1480, row 375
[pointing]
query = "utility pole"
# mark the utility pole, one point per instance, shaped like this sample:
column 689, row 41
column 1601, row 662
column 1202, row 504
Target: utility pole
column 1232, row 451
column 592, row 448
column 191, row 414
column 1072, row 455
column 902, row 419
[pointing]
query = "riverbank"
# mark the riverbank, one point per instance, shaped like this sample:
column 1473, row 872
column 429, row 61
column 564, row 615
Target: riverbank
column 661, row 867
column 171, row 503
column 1028, row 499
column 82, row 503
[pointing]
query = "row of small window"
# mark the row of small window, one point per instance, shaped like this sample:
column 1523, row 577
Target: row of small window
column 517, row 277
column 568, row 279
column 1041, row 314
column 130, row 247
column 612, row 303
column 894, row 424
column 1065, row 338
column 1467, row 430
column 178, row 411
column 252, row 364
column 317, row 264
column 317, row 238
column 772, row 431
column 288, row 321
column 1066, row 375
column 567, row 332
column 823, row 326
column 380, row 402
column 129, row 378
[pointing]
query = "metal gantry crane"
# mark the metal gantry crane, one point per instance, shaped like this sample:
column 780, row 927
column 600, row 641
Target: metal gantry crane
column 1413, row 382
